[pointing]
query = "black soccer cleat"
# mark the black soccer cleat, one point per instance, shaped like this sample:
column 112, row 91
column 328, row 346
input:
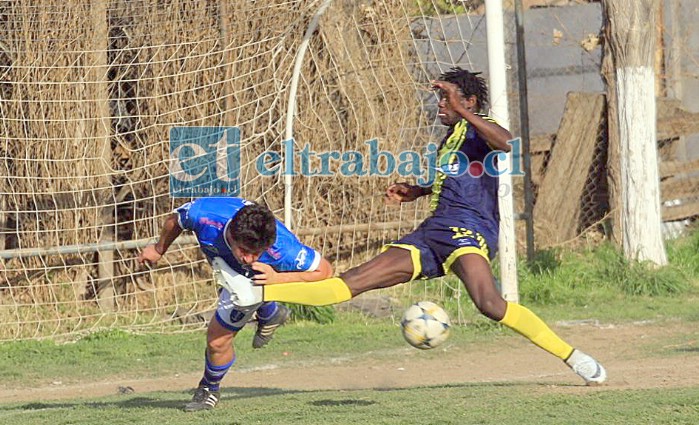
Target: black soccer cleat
column 265, row 331
column 203, row 400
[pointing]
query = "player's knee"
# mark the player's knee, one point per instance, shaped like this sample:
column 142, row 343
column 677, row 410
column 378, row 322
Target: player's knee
column 492, row 307
column 219, row 345
column 219, row 339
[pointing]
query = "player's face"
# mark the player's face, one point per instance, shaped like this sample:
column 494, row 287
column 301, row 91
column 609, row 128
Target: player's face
column 245, row 255
column 447, row 115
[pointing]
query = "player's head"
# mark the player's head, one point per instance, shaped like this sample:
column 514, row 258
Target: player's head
column 472, row 88
column 251, row 231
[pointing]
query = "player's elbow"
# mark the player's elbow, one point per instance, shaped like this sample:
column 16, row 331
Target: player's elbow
column 325, row 270
column 500, row 139
column 503, row 140
column 172, row 223
column 505, row 147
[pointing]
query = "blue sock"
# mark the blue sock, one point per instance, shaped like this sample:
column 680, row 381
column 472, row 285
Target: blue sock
column 266, row 311
column 213, row 375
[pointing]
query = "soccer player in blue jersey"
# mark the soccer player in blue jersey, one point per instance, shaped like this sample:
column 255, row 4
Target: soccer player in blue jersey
column 460, row 235
column 244, row 243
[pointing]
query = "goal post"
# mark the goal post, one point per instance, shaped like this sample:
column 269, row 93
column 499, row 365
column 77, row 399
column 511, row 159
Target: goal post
column 500, row 107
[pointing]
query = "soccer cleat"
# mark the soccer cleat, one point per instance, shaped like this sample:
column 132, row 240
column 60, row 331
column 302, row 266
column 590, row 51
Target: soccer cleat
column 588, row 368
column 203, row 400
column 265, row 331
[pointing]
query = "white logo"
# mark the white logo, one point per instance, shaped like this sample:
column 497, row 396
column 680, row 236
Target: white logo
column 301, row 258
column 451, row 168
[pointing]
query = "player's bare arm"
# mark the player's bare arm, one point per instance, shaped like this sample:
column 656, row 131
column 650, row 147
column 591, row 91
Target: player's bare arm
column 170, row 231
column 404, row 192
column 266, row 275
column 496, row 136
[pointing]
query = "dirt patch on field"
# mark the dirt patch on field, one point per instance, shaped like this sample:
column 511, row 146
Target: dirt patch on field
column 634, row 355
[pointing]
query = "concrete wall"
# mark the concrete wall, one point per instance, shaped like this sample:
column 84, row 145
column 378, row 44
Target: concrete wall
column 682, row 59
column 556, row 66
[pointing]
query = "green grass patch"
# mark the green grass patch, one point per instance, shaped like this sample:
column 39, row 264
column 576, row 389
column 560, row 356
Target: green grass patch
column 562, row 277
column 128, row 355
column 483, row 404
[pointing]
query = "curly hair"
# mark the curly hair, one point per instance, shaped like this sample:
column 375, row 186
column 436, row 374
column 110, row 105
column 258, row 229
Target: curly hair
column 254, row 227
column 470, row 84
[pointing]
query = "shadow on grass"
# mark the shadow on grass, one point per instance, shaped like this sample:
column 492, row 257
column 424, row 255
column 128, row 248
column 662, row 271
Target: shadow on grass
column 688, row 350
column 345, row 402
column 162, row 400
column 152, row 401
column 133, row 402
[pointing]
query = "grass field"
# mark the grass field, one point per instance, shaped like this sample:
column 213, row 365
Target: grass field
column 496, row 403
column 359, row 370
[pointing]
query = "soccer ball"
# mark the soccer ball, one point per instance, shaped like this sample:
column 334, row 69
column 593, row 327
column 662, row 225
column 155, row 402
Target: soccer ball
column 425, row 325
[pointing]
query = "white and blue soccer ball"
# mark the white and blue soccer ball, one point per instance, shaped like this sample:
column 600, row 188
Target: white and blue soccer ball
column 425, row 325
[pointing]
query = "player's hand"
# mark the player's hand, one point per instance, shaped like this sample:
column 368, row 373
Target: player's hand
column 402, row 192
column 448, row 91
column 149, row 256
column 265, row 274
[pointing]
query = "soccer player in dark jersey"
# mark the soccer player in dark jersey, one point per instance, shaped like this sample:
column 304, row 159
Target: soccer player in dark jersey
column 460, row 235
column 243, row 242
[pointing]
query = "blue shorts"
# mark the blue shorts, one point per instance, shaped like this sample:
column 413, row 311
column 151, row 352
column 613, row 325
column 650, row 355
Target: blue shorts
column 439, row 241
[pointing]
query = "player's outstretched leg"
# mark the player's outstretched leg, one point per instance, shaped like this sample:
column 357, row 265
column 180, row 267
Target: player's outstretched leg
column 588, row 368
column 524, row 321
column 266, row 325
column 475, row 272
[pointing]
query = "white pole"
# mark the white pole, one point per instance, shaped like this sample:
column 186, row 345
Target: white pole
column 291, row 108
column 498, row 100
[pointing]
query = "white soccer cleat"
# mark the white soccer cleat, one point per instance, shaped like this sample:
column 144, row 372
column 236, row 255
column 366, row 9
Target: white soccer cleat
column 588, row 368
column 243, row 292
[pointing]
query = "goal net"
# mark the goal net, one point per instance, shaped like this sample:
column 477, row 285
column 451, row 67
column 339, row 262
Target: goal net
column 90, row 90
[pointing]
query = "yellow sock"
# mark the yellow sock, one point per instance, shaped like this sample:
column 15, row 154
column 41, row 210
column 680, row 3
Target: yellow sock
column 522, row 320
column 323, row 292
